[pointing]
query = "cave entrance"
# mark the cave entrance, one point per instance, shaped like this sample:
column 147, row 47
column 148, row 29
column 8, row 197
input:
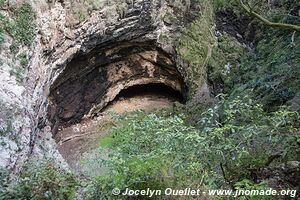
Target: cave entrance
column 91, row 81
column 78, row 142
column 146, row 97
column 120, row 77
column 156, row 89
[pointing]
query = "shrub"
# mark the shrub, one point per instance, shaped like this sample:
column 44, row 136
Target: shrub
column 20, row 25
column 246, row 184
column 227, row 144
column 245, row 136
column 271, row 72
column 144, row 155
column 41, row 180
column 224, row 62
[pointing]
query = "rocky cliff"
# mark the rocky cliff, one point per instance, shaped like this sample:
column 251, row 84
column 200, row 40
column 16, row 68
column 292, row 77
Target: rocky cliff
column 76, row 65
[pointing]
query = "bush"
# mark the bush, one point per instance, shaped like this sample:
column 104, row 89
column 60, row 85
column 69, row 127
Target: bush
column 225, row 146
column 224, row 62
column 270, row 73
column 147, row 153
column 20, row 25
column 41, row 181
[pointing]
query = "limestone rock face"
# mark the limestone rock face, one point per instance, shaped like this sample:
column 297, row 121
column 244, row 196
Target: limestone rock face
column 15, row 121
column 119, row 44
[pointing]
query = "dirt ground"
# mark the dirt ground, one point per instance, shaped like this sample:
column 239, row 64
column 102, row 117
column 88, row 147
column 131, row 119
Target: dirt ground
column 80, row 141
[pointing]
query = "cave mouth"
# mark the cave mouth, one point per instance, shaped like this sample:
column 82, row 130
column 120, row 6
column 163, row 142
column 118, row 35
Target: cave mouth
column 147, row 97
column 91, row 81
column 77, row 143
column 122, row 77
column 151, row 89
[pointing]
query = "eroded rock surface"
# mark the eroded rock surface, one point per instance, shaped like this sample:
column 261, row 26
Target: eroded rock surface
column 69, row 56
column 92, row 81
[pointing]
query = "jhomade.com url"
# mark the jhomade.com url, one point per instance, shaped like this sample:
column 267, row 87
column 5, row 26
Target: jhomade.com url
column 197, row 192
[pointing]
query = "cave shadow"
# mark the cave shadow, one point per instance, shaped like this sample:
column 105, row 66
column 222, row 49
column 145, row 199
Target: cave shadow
column 152, row 90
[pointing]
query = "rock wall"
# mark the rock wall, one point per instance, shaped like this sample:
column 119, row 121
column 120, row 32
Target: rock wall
column 61, row 39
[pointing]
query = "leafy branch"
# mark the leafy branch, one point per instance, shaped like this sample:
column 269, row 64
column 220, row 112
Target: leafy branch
column 251, row 12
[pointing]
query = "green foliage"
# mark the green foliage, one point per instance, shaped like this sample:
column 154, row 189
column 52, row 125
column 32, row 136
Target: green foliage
column 4, row 180
column 80, row 14
column 249, row 185
column 271, row 72
column 94, row 4
column 23, row 59
column 19, row 69
column 225, row 61
column 1, row 21
column 245, row 136
column 107, row 141
column 1, row 36
column 2, row 2
column 20, row 25
column 275, row 11
column 162, row 150
column 144, row 156
column 8, row 129
column 41, row 180
column 183, row 5
column 226, row 5
column 18, row 72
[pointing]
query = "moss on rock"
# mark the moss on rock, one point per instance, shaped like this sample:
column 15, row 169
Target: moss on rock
column 196, row 45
